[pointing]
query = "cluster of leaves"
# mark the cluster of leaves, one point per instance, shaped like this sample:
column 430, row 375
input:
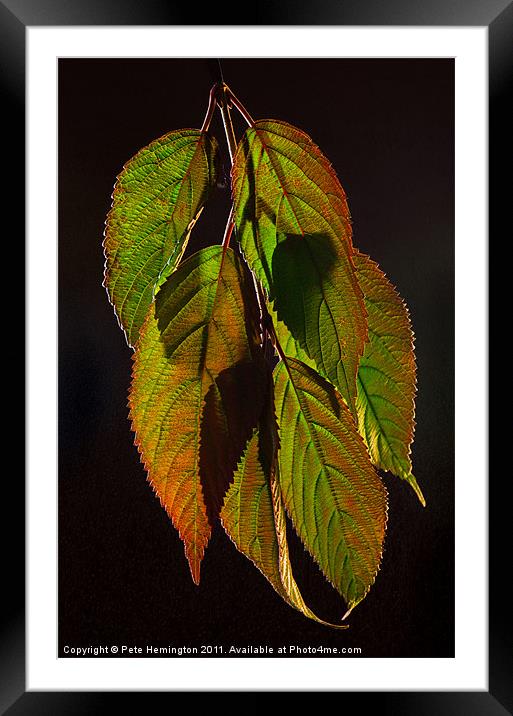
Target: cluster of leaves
column 272, row 376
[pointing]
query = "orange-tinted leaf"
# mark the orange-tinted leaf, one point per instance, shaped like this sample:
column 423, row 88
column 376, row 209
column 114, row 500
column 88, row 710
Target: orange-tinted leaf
column 195, row 364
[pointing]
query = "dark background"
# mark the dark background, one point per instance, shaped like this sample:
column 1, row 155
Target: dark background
column 388, row 128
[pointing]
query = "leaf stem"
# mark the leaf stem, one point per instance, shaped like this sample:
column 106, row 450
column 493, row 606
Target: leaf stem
column 220, row 98
column 212, row 100
column 224, row 98
column 228, row 231
column 240, row 107
column 223, row 103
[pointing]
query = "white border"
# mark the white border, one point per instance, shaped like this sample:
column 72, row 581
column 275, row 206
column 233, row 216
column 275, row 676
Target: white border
column 468, row 670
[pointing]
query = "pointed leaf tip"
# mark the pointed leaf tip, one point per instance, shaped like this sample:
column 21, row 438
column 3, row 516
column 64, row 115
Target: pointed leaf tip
column 415, row 486
column 348, row 612
column 195, row 567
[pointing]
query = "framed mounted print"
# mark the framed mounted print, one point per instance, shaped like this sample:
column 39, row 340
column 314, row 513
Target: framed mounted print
column 322, row 494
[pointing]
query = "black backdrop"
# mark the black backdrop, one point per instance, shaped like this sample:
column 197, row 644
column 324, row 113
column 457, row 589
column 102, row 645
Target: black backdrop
column 388, row 128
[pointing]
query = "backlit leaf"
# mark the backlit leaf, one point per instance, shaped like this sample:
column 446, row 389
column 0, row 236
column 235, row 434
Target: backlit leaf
column 195, row 364
column 157, row 197
column 293, row 225
column 386, row 379
column 287, row 341
column 387, row 376
column 333, row 495
column 253, row 516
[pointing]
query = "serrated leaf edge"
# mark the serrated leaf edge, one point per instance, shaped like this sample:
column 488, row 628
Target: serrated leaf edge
column 352, row 604
column 106, row 271
column 407, row 477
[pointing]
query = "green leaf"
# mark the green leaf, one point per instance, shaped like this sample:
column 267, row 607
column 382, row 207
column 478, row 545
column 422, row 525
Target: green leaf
column 287, row 341
column 293, row 224
column 386, row 380
column 333, row 495
column 387, row 376
column 195, row 364
column 253, row 516
column 157, row 198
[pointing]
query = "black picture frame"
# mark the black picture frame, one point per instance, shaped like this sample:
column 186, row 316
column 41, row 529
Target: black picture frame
column 15, row 17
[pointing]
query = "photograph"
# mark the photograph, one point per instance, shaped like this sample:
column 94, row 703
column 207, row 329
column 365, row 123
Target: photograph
column 256, row 357
column 258, row 265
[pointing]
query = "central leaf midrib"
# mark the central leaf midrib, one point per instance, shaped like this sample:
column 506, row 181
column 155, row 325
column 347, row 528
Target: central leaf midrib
column 376, row 418
column 319, row 452
column 285, row 195
column 326, row 168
